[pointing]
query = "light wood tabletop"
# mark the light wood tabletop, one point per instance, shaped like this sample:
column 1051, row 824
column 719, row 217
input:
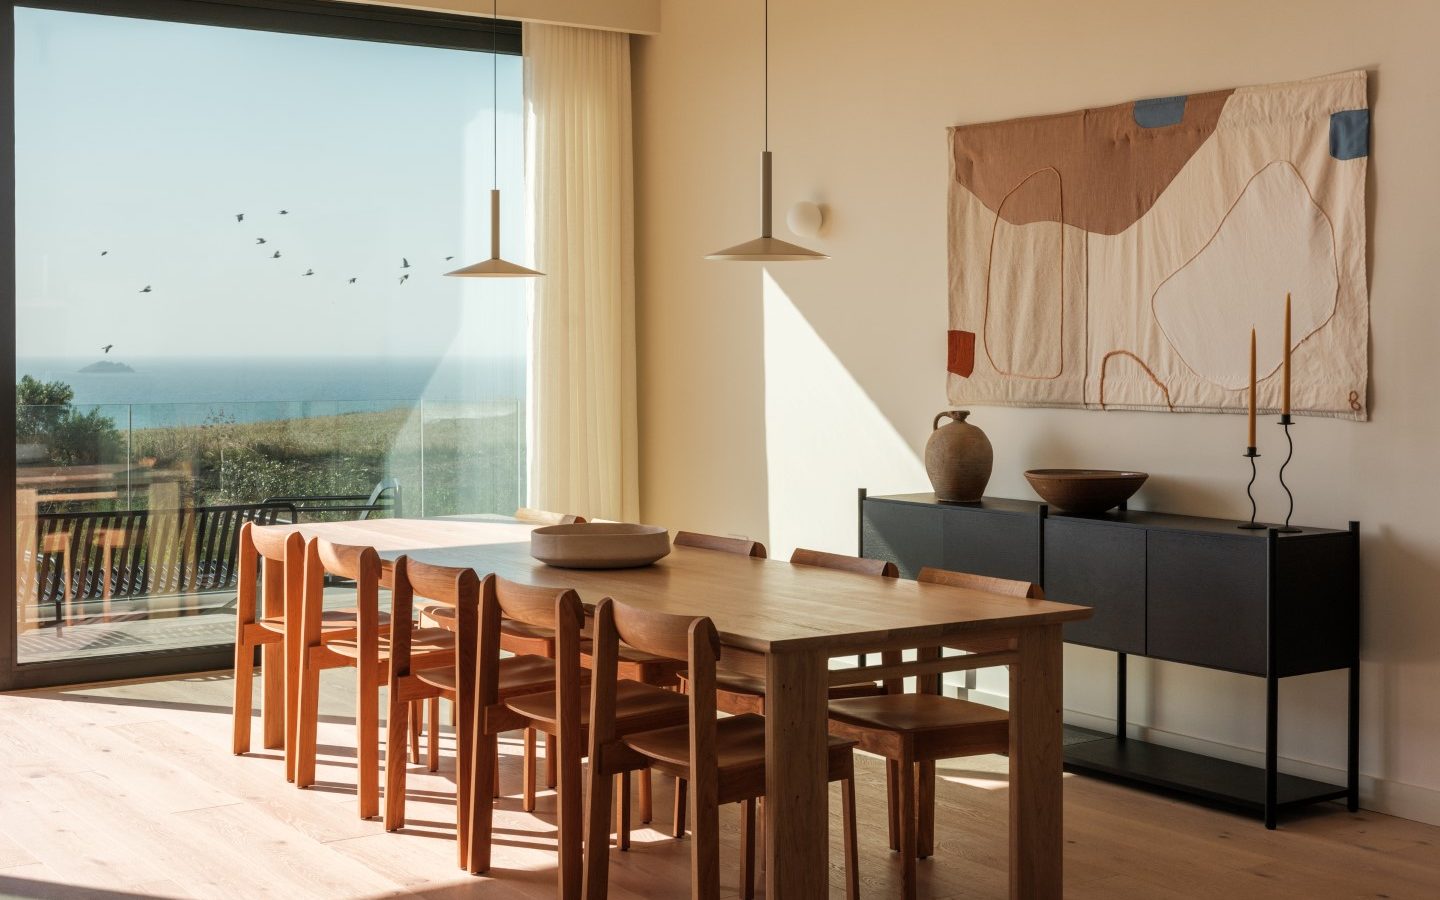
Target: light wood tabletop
column 785, row 623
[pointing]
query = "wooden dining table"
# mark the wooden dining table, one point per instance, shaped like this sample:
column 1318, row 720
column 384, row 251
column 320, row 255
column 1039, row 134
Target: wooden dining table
column 785, row 623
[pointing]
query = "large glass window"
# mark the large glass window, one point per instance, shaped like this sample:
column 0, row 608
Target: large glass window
column 230, row 307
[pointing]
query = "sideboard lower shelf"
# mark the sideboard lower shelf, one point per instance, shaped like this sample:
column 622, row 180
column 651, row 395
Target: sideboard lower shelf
column 1192, row 775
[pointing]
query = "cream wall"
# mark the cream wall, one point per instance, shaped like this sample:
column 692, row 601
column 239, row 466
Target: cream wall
column 767, row 396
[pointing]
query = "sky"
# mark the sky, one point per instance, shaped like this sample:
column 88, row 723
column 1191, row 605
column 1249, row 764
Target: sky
column 146, row 139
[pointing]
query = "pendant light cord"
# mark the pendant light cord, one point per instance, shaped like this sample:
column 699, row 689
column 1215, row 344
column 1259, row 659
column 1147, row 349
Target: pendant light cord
column 495, row 93
column 767, row 75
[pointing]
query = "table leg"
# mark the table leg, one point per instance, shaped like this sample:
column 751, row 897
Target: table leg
column 1036, row 752
column 796, row 784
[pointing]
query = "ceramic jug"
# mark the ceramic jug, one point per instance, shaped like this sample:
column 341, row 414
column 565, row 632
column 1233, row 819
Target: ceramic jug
column 958, row 459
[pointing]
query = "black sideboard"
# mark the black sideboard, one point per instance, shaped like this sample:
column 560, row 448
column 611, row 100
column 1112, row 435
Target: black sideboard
column 1178, row 588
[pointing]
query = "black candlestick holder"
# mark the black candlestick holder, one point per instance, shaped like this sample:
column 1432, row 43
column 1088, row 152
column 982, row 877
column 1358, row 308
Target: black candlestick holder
column 1285, row 423
column 1253, row 454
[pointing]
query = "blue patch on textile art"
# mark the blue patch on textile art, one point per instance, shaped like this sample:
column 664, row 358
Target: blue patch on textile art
column 1159, row 112
column 1350, row 133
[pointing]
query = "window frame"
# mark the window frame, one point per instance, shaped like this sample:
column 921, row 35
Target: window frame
column 311, row 18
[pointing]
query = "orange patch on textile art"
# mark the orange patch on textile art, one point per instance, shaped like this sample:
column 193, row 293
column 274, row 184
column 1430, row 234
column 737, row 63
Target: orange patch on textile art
column 961, row 357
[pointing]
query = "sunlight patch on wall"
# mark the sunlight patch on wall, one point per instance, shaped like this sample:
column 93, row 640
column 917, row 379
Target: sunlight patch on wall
column 824, row 437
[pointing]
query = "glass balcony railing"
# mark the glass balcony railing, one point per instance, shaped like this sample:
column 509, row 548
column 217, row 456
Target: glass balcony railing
column 128, row 516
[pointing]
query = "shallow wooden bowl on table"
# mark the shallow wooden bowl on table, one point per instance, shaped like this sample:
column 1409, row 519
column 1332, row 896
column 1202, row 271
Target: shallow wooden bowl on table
column 599, row 545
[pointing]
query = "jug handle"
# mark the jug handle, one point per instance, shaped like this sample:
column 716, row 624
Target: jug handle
column 956, row 414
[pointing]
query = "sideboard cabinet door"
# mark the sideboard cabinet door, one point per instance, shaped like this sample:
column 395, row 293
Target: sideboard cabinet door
column 1207, row 600
column 1103, row 566
column 994, row 543
column 906, row 534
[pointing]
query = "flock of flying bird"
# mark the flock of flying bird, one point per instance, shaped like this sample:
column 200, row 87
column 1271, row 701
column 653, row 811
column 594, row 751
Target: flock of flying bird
column 240, row 217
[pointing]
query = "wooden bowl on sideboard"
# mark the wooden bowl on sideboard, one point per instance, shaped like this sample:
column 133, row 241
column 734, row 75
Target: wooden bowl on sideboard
column 1085, row 490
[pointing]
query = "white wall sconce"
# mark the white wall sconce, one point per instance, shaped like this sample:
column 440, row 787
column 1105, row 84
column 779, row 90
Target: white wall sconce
column 806, row 219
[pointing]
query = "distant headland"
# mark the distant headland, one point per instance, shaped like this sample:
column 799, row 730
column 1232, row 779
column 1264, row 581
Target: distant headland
column 105, row 367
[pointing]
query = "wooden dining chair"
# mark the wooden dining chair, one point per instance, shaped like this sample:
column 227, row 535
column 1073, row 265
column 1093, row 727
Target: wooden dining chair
column 561, row 712
column 722, row 759
column 367, row 650
column 913, row 731
column 414, row 679
column 271, row 573
column 498, row 684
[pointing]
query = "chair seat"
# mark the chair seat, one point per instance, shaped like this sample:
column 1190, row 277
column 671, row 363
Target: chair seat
column 636, row 704
column 444, row 616
column 347, row 619
column 739, row 744
column 422, row 641
column 638, row 665
column 518, row 675
column 914, row 713
column 751, row 686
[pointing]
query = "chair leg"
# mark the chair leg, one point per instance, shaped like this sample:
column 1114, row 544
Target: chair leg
column 622, row 811
column 906, row 788
column 747, row 849
column 527, row 799
column 551, row 769
column 892, row 802
column 495, row 782
column 244, row 689
column 598, row 799
column 647, row 800
column 925, row 803
column 432, row 750
column 396, row 726
column 293, row 653
column 367, row 740
column 466, row 798
column 481, row 811
column 417, row 722
column 272, row 696
column 308, row 721
column 677, row 827
column 852, row 845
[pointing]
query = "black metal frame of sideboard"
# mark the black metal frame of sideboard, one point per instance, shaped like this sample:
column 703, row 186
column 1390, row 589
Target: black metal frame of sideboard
column 1193, row 775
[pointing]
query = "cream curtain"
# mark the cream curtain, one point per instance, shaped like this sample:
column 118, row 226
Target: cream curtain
column 579, row 179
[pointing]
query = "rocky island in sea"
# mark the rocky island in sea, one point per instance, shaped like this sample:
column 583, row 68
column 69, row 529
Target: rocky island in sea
column 106, row 367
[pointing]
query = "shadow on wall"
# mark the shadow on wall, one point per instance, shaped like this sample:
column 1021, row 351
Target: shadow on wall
column 825, row 436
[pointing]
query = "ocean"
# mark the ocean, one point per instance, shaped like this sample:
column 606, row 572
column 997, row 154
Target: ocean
column 176, row 391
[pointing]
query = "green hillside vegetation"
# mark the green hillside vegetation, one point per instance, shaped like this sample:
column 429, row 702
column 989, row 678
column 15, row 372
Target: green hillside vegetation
column 471, row 464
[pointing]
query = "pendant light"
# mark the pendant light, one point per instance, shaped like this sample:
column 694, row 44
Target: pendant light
column 495, row 267
column 766, row 248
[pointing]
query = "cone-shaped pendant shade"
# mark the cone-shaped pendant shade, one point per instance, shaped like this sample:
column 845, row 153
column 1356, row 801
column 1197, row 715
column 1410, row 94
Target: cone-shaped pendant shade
column 766, row 248
column 495, row 267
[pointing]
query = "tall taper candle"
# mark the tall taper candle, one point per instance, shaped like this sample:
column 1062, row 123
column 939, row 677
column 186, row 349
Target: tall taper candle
column 1285, row 410
column 1252, row 389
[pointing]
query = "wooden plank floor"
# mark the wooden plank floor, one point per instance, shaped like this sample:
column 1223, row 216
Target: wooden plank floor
column 129, row 790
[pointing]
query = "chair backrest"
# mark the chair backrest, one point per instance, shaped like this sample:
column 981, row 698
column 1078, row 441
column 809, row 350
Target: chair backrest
column 691, row 638
column 359, row 564
column 556, row 608
column 545, row 517
column 455, row 586
column 279, row 558
column 857, row 564
column 738, row 546
column 1009, row 587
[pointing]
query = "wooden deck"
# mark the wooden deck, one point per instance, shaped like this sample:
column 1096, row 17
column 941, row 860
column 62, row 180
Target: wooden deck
column 129, row 790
